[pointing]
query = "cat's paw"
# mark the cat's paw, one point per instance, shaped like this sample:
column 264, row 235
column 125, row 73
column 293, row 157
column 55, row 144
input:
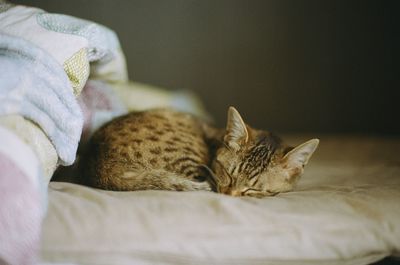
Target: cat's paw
column 201, row 186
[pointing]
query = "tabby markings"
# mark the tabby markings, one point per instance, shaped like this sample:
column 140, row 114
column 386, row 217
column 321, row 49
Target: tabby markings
column 184, row 159
column 153, row 138
column 150, row 127
column 137, row 141
column 170, row 149
column 153, row 161
column 155, row 151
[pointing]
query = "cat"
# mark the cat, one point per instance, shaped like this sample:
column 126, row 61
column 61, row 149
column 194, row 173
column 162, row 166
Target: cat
column 257, row 163
column 165, row 149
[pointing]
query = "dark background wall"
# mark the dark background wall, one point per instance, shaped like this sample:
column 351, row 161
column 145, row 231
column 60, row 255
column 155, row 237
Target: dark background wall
column 325, row 66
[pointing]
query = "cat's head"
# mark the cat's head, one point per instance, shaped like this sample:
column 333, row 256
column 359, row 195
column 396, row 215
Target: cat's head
column 256, row 163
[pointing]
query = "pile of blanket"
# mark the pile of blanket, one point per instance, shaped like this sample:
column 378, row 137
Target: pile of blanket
column 60, row 78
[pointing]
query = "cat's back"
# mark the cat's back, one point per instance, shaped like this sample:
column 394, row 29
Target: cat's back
column 150, row 140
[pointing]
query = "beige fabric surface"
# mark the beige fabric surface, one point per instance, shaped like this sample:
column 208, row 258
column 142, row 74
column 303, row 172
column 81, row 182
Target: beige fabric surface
column 138, row 96
column 31, row 134
column 344, row 211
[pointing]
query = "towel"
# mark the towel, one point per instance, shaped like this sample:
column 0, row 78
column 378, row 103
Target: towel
column 82, row 47
column 34, row 85
column 45, row 61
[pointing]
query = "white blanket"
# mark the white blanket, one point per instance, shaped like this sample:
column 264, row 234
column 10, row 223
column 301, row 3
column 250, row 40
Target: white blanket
column 44, row 64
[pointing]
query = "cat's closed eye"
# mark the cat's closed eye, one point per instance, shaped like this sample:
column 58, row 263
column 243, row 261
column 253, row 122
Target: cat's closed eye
column 258, row 193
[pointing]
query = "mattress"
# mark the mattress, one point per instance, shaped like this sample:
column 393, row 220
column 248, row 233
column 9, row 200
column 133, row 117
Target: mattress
column 345, row 210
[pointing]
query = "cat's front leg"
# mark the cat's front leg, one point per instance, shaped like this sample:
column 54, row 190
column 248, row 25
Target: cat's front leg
column 189, row 185
column 155, row 180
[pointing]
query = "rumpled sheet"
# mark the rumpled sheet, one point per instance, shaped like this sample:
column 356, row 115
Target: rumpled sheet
column 344, row 211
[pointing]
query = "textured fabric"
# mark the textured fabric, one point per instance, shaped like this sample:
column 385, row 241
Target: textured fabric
column 137, row 97
column 344, row 211
column 71, row 41
column 77, row 69
column 44, row 64
column 22, row 201
column 32, row 135
column 99, row 104
column 19, row 222
column 102, row 48
column 45, row 61
column 33, row 85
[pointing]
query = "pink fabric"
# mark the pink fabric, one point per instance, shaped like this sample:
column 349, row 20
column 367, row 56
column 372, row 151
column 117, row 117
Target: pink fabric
column 99, row 104
column 20, row 215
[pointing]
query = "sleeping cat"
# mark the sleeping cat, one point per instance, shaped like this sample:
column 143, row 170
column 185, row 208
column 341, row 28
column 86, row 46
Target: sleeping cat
column 169, row 150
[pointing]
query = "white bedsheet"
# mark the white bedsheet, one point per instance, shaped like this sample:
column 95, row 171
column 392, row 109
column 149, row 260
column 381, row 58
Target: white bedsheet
column 344, row 211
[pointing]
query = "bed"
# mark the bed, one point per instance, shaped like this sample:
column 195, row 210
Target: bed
column 344, row 211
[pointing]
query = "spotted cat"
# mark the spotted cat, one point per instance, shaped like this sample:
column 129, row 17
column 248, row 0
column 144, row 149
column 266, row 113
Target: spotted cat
column 165, row 149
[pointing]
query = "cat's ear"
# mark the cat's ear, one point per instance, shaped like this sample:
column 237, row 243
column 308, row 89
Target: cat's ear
column 236, row 131
column 298, row 157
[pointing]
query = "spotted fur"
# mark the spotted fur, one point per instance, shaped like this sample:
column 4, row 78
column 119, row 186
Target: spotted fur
column 157, row 149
